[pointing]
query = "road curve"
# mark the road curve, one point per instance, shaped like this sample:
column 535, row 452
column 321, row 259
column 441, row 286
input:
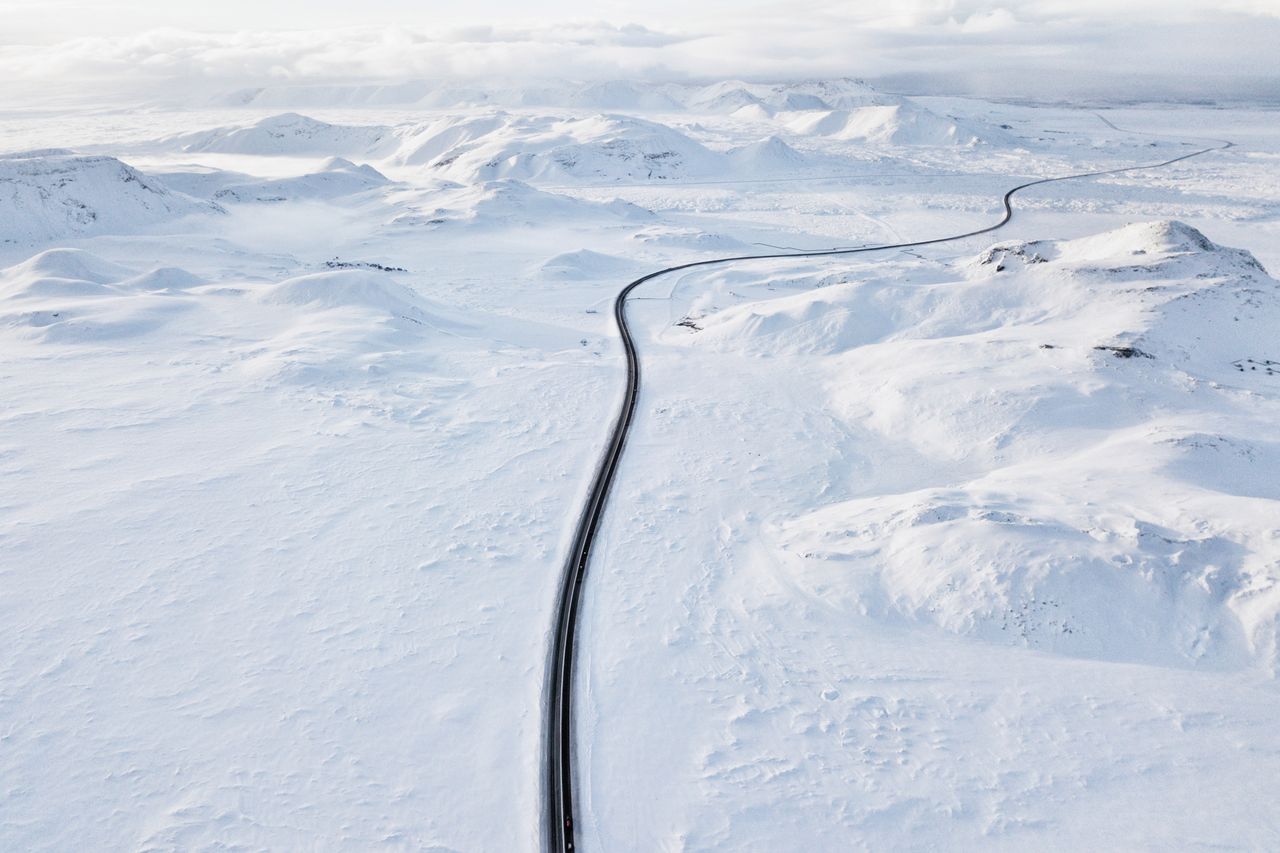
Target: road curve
column 558, row 816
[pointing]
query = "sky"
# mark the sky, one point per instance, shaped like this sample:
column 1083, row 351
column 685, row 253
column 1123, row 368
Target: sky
column 148, row 48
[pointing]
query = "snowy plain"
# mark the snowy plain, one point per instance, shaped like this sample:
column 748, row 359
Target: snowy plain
column 972, row 546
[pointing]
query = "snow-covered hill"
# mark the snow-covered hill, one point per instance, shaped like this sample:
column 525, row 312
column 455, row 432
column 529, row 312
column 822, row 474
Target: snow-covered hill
column 504, row 203
column 475, row 146
column 770, row 156
column 616, row 95
column 70, row 296
column 599, row 148
column 288, row 133
column 731, row 96
column 586, row 265
column 47, row 195
column 337, row 178
column 1091, row 470
column 440, row 142
column 947, row 549
column 902, row 123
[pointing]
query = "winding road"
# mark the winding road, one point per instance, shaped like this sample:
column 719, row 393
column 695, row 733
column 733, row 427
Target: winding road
column 559, row 824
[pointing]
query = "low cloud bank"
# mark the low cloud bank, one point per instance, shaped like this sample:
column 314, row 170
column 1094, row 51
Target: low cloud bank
column 1010, row 50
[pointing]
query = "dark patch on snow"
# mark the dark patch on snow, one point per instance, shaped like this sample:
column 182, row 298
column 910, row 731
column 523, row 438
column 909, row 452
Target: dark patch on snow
column 1271, row 368
column 336, row 264
column 1125, row 352
column 1024, row 252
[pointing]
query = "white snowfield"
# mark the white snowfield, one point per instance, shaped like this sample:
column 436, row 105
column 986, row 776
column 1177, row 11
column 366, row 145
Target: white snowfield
column 974, row 546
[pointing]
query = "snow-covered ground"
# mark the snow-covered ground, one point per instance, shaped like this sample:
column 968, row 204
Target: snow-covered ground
column 975, row 546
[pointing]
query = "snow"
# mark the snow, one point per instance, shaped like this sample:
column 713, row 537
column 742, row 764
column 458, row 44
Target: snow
column 971, row 546
column 769, row 156
column 56, row 270
column 586, row 264
column 507, row 201
column 916, row 580
column 52, row 194
column 732, row 95
column 351, row 289
column 992, row 554
column 622, row 95
column 337, row 177
column 287, row 133
column 609, row 95
column 904, row 123
column 690, row 239
column 608, row 147
column 434, row 142
column 227, row 501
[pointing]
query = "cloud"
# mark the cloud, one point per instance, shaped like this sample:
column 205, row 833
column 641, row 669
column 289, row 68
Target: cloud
column 990, row 21
column 1011, row 48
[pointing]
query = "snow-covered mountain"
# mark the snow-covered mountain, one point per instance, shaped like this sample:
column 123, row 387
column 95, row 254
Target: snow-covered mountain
column 55, row 194
column 481, row 147
column 732, row 95
column 622, row 95
column 607, row 95
column 475, row 146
